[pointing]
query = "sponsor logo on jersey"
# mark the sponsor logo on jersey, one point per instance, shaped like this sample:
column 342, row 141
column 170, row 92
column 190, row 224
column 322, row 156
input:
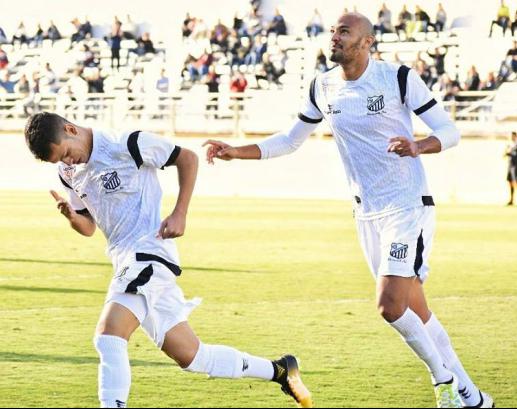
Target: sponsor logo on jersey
column 244, row 364
column 375, row 104
column 122, row 273
column 110, row 180
column 332, row 111
column 398, row 251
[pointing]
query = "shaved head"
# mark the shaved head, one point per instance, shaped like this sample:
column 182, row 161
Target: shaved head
column 360, row 21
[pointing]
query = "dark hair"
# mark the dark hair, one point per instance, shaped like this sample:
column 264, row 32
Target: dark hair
column 41, row 130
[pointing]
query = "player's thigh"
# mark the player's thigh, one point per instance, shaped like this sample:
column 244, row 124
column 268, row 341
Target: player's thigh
column 181, row 344
column 117, row 319
column 369, row 239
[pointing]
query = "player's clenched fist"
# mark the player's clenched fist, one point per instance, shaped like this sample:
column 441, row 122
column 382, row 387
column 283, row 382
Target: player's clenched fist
column 63, row 206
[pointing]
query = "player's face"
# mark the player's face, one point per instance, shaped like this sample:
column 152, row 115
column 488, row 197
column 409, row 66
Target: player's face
column 70, row 150
column 347, row 42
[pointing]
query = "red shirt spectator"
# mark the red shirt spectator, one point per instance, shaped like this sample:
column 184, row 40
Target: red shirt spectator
column 3, row 59
column 238, row 83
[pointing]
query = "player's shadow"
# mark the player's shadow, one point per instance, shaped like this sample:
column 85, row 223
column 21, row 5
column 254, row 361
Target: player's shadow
column 50, row 289
column 105, row 264
column 64, row 359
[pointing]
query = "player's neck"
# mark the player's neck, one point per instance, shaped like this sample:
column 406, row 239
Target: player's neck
column 354, row 69
column 88, row 136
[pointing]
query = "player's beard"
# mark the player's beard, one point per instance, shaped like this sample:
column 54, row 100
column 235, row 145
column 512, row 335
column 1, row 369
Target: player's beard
column 345, row 55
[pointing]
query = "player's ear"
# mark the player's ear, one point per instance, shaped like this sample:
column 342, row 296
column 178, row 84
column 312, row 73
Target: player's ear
column 70, row 129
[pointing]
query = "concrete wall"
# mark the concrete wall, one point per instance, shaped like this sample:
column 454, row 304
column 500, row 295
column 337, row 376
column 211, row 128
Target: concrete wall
column 474, row 172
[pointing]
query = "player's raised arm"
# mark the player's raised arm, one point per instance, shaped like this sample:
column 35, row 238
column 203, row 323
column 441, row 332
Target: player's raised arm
column 279, row 144
column 81, row 223
column 174, row 225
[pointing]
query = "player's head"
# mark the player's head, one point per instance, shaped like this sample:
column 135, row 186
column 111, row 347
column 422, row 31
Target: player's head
column 52, row 138
column 352, row 38
column 514, row 136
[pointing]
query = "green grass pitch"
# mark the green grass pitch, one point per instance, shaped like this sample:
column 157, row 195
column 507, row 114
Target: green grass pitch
column 275, row 276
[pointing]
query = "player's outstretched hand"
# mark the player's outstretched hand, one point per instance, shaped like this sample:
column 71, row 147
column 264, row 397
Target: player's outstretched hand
column 220, row 150
column 172, row 226
column 63, row 206
column 402, row 146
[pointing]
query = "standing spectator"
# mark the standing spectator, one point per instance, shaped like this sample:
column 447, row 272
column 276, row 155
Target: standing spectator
column 472, row 83
column 20, row 36
column 514, row 24
column 315, row 26
column 321, row 62
column 439, row 59
column 503, row 18
column 52, row 33
column 162, row 83
column 212, row 80
column 441, row 19
column 6, row 83
column 277, row 25
column 3, row 37
column 511, row 153
column 404, row 18
column 384, row 21
column 115, row 40
column 512, row 56
column 4, row 61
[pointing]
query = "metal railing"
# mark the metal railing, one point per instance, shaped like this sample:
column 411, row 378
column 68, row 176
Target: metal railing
column 236, row 114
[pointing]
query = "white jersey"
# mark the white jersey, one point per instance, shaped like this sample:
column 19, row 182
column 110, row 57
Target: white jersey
column 363, row 116
column 119, row 187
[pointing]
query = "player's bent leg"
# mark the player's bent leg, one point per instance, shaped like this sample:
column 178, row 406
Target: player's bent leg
column 220, row 361
column 115, row 326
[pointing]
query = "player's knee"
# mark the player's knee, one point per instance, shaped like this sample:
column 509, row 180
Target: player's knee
column 199, row 362
column 390, row 309
column 108, row 327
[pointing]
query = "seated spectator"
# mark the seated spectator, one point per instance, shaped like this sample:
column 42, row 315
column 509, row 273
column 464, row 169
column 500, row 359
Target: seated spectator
column 472, row 82
column 502, row 20
column 188, row 26
column 162, row 84
column 251, row 25
column 38, row 36
column 315, row 26
column 52, row 33
column 197, row 68
column 77, row 85
column 270, row 71
column 424, row 72
column 4, row 61
column 513, row 26
column 3, row 37
column 258, row 48
column 212, row 80
column 148, row 43
column 238, row 83
column 439, row 58
column 130, row 29
column 6, row 83
column 87, row 57
column 95, row 82
column 404, row 17
column 22, row 86
column 20, row 36
column 237, row 23
column 219, row 36
column 512, row 56
column 321, row 62
column 441, row 19
column 277, row 25
column 48, row 81
column 422, row 19
column 383, row 21
column 490, row 83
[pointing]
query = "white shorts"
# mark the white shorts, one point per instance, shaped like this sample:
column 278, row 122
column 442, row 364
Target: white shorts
column 149, row 290
column 399, row 244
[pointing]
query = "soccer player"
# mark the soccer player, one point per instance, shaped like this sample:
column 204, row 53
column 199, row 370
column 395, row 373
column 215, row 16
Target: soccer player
column 112, row 183
column 368, row 106
column 511, row 177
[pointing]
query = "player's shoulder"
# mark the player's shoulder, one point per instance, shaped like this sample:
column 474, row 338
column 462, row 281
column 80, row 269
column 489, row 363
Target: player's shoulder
column 327, row 75
column 388, row 67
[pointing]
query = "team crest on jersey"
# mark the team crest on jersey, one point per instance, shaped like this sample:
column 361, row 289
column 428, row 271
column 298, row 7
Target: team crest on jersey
column 398, row 251
column 375, row 104
column 69, row 172
column 110, row 180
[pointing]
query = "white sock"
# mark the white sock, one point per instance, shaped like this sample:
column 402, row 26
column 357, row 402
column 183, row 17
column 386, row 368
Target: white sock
column 469, row 392
column 114, row 371
column 412, row 330
column 220, row 361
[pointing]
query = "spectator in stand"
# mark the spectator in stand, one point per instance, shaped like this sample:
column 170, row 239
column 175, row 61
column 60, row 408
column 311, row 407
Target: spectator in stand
column 219, row 36
column 87, row 57
column 277, row 25
column 511, row 153
column 137, row 83
column 383, row 21
column 439, row 58
column 95, row 82
column 238, row 84
column 187, row 27
column 77, row 85
column 421, row 23
column 148, row 43
column 315, row 26
column 404, row 18
column 514, row 24
column 6, row 83
column 503, row 18
column 199, row 68
column 52, row 33
column 212, row 81
column 238, row 23
column 512, row 56
column 115, row 41
column 86, row 28
column 48, row 81
column 490, row 83
column 3, row 37
column 424, row 72
column 20, row 36
column 4, row 61
column 321, row 62
column 270, row 71
column 130, row 31
column 472, row 83
column 37, row 40
column 78, row 35
column 258, row 49
column 255, row 5
column 441, row 19
column 162, row 83
column 251, row 25
column 22, row 86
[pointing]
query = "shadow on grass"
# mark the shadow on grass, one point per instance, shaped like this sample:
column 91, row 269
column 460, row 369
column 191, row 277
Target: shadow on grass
column 50, row 290
column 63, row 359
column 105, row 264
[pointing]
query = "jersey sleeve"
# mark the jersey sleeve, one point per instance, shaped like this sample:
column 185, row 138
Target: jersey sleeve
column 76, row 203
column 419, row 97
column 151, row 150
column 309, row 110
